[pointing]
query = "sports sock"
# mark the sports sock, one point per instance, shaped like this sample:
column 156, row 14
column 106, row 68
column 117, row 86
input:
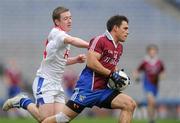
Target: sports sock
column 24, row 102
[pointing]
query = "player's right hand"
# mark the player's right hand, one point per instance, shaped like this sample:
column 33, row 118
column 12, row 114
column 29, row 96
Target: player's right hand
column 81, row 58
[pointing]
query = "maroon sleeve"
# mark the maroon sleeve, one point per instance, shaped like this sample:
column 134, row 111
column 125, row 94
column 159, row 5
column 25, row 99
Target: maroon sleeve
column 141, row 66
column 96, row 44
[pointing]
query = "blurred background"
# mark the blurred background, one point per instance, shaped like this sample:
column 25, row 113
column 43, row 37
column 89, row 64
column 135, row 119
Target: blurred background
column 25, row 24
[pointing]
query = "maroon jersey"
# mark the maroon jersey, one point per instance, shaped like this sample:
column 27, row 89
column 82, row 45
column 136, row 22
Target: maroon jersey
column 110, row 54
column 152, row 69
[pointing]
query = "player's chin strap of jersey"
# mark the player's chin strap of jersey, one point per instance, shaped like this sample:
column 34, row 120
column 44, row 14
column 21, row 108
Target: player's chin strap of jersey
column 62, row 118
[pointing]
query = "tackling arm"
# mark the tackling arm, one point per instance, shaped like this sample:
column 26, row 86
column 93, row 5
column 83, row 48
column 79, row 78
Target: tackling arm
column 77, row 59
column 76, row 42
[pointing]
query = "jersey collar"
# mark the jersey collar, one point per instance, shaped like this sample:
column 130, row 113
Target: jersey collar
column 109, row 36
column 152, row 61
column 58, row 27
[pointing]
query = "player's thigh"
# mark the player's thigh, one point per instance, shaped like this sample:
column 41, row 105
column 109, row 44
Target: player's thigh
column 46, row 110
column 46, row 104
column 58, row 107
column 69, row 112
column 123, row 101
column 59, row 101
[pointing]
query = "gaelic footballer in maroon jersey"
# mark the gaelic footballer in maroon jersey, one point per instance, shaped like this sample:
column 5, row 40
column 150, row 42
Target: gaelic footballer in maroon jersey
column 110, row 54
column 153, row 71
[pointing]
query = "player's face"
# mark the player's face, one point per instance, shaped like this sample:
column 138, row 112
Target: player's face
column 122, row 31
column 65, row 21
column 152, row 52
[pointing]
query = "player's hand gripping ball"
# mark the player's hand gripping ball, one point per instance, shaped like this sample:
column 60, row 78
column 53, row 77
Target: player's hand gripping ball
column 118, row 80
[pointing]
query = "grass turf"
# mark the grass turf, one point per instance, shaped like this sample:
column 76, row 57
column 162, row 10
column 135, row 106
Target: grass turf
column 83, row 120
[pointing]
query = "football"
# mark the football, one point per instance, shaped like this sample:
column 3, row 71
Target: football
column 117, row 86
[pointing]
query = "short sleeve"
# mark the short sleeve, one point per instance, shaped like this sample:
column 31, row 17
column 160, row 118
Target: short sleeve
column 141, row 66
column 60, row 38
column 96, row 44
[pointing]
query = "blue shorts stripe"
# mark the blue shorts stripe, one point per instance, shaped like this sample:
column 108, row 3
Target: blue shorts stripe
column 40, row 101
column 40, row 83
column 75, row 94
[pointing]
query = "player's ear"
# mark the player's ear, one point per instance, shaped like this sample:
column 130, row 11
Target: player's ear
column 115, row 27
column 56, row 21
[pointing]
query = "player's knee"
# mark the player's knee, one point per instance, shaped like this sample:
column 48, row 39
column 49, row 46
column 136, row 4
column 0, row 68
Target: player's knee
column 152, row 103
column 130, row 105
column 43, row 119
column 40, row 119
column 62, row 118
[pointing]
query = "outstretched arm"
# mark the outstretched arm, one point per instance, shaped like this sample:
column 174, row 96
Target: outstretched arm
column 76, row 42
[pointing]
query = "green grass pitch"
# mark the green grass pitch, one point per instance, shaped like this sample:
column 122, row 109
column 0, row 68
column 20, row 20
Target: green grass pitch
column 84, row 120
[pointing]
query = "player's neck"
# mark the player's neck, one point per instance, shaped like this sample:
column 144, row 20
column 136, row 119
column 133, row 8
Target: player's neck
column 114, row 37
column 60, row 28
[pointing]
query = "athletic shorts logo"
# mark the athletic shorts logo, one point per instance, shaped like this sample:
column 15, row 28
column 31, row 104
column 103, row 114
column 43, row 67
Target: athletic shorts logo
column 75, row 106
column 81, row 98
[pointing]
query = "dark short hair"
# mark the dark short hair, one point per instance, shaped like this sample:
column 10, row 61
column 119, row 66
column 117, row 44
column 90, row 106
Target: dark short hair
column 57, row 12
column 115, row 20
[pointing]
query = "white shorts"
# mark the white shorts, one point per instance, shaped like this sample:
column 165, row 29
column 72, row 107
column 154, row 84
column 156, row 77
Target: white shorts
column 46, row 91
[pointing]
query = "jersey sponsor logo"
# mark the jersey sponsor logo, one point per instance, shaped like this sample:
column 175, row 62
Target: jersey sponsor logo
column 81, row 98
column 115, row 54
column 112, row 60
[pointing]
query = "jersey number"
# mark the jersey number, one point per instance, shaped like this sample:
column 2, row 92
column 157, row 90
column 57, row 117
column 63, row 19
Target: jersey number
column 66, row 54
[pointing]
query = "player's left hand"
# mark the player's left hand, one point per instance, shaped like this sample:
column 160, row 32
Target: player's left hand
column 117, row 78
column 81, row 58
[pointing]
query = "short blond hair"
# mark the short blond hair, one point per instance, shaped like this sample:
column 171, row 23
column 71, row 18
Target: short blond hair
column 151, row 46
